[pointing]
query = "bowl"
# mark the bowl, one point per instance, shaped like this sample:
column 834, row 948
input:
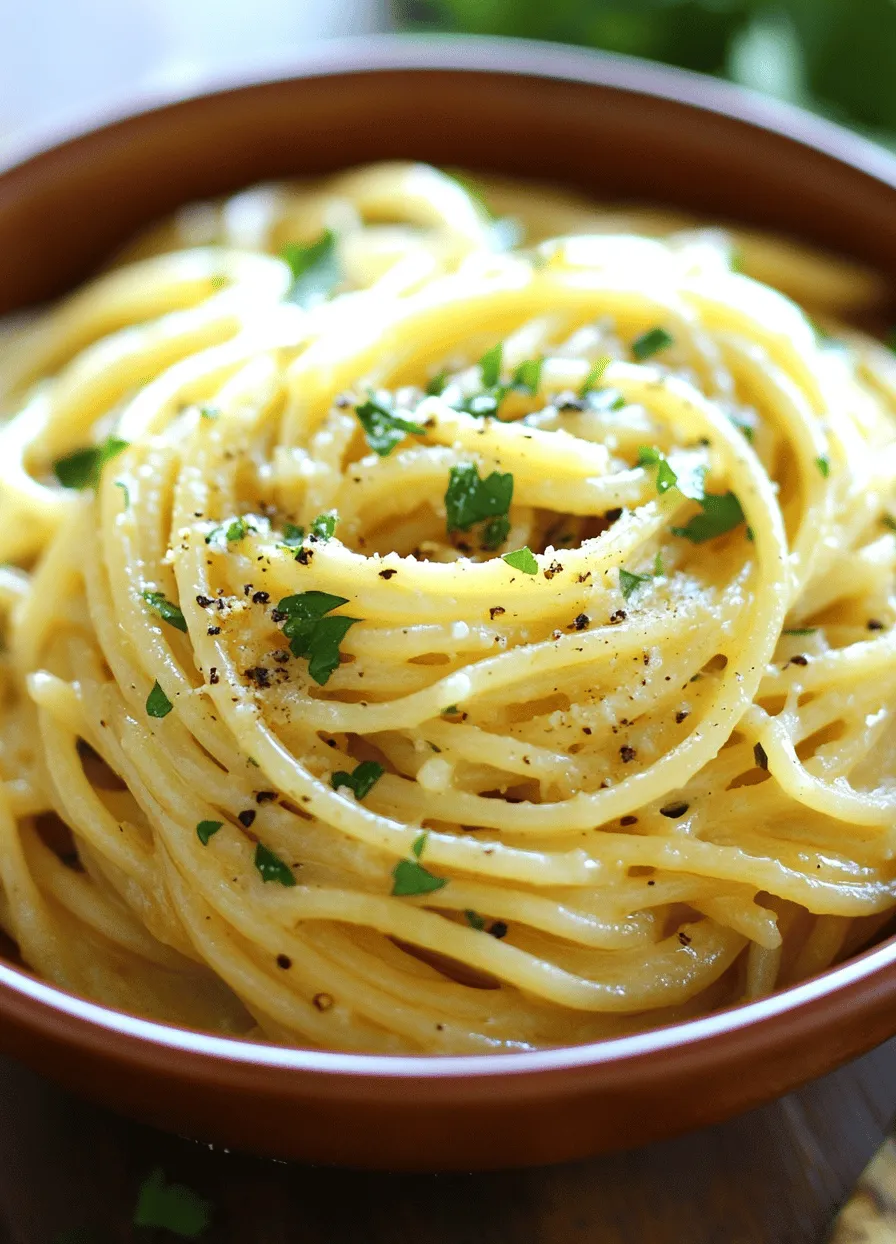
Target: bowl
column 617, row 129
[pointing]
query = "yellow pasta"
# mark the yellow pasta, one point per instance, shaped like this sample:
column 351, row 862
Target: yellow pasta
column 445, row 620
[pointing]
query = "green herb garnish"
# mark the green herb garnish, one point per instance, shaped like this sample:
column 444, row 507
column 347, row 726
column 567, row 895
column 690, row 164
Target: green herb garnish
column 470, row 500
column 824, row 465
column 650, row 343
column 436, row 386
column 490, row 365
column 384, row 429
column 293, row 535
column 125, row 493
column 594, row 377
column 209, row 412
column 474, row 920
column 315, row 269
column 361, row 780
column 206, row 829
column 83, row 468
column 528, row 375
column 889, row 522
column 313, row 636
column 522, row 559
column 324, row 526
column 410, row 877
column 629, row 582
column 172, row 1207
column 665, row 476
column 157, row 702
column 801, row 630
column 271, row 867
column 166, row 609
column 721, row 513
column 236, row 529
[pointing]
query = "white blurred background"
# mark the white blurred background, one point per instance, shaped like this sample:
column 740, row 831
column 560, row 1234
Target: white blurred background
column 64, row 58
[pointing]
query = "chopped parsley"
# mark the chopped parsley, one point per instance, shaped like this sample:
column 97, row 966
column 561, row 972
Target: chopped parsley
column 721, row 513
column 889, row 522
column 410, row 877
column 824, row 465
column 490, row 365
column 324, row 526
column 125, row 493
column 744, row 426
column 665, row 476
column 436, row 386
column 172, row 1207
column 293, row 535
column 470, row 500
column 801, row 630
column 271, row 867
column 650, row 343
column 474, row 920
column 528, row 375
column 384, row 429
column 236, row 529
column 313, row 636
column 206, row 830
column 629, row 582
column 166, row 609
column 522, row 559
column 594, row 377
column 83, row 468
column 450, row 711
column 361, row 780
column 209, row 412
column 157, row 702
column 658, row 568
column 315, row 269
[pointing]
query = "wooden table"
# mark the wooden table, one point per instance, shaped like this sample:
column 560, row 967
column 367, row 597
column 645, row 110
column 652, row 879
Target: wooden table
column 775, row 1176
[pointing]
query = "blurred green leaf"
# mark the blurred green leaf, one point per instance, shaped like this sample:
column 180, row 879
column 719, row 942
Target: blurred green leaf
column 837, row 56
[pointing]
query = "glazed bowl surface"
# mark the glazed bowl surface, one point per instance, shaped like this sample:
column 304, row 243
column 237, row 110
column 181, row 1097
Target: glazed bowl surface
column 619, row 130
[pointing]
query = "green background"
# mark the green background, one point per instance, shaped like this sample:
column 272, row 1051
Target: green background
column 837, row 57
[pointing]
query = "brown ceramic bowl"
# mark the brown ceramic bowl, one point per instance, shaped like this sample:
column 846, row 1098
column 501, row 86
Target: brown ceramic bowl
column 617, row 129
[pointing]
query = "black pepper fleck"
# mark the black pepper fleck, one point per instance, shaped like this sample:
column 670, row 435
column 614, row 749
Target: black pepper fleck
column 247, row 817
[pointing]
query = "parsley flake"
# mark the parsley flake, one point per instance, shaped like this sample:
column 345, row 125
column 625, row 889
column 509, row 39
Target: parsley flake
column 474, row 920
column 316, row 270
column 206, row 829
column 666, row 478
column 157, row 702
column 629, row 582
column 470, row 500
column 436, row 386
column 313, row 636
column 650, row 343
column 236, row 529
column 361, row 780
column 595, row 375
column 528, row 375
column 410, row 877
column 324, row 526
column 801, row 630
column 83, row 468
column 824, row 465
column 293, row 535
column 889, row 522
column 521, row 559
column 271, row 867
column 173, row 1207
column 166, row 609
column 721, row 513
column 490, row 365
column 209, row 412
column 384, row 429
column 125, row 493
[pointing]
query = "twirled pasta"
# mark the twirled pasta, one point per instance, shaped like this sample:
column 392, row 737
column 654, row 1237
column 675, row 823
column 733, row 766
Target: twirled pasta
column 604, row 736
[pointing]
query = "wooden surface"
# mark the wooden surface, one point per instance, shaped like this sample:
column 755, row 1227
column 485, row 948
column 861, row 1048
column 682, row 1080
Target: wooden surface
column 776, row 1176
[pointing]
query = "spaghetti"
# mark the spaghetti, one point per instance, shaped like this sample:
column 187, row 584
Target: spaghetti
column 436, row 626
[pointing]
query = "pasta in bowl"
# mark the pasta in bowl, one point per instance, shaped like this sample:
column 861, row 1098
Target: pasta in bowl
column 445, row 618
